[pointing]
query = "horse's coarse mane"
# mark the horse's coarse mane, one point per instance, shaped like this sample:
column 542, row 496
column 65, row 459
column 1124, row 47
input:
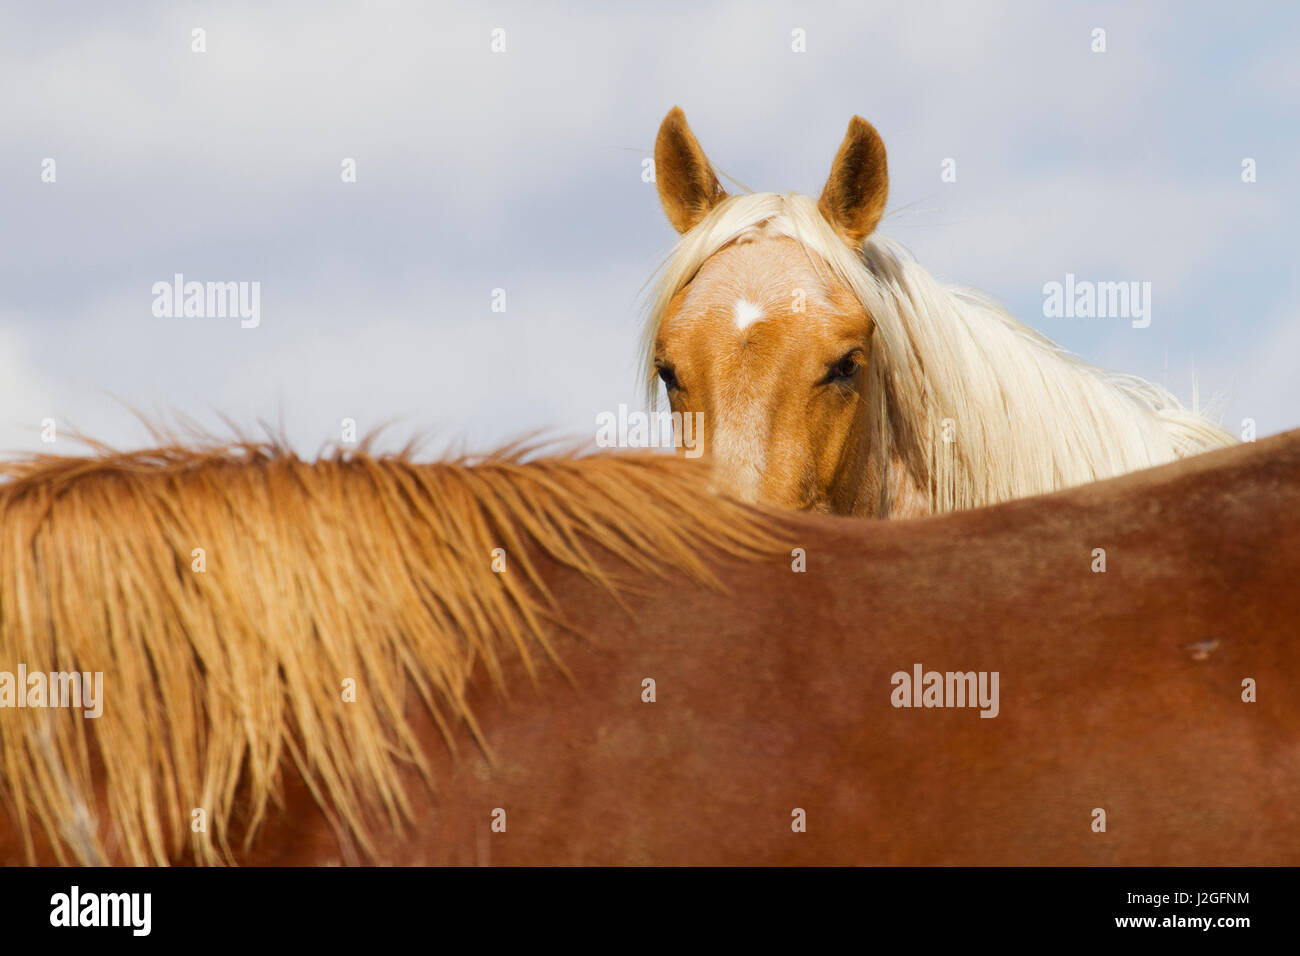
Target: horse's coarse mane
column 1024, row 417
column 369, row 568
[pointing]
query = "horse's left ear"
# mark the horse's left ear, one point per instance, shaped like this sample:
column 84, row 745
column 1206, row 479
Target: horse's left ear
column 854, row 198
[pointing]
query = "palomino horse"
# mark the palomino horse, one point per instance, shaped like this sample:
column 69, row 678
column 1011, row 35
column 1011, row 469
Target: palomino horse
column 830, row 372
column 598, row 661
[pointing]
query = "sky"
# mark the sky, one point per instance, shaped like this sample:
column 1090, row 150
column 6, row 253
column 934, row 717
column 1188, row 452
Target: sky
column 521, row 170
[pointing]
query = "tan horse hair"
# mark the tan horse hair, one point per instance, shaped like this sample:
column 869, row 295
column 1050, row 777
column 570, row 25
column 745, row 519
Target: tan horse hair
column 370, row 567
column 1027, row 417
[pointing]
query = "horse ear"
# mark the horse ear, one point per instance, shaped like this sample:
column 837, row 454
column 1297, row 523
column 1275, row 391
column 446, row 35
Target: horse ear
column 688, row 189
column 855, row 193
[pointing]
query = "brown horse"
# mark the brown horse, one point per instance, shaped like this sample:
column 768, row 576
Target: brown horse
column 366, row 659
column 830, row 372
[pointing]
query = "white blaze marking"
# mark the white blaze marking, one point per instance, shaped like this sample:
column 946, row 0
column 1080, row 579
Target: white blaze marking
column 739, row 456
column 746, row 313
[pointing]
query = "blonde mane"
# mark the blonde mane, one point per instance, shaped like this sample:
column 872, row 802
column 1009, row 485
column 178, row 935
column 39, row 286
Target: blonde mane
column 1022, row 416
column 374, row 569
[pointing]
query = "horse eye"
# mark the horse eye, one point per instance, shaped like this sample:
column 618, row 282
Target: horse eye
column 668, row 376
column 844, row 370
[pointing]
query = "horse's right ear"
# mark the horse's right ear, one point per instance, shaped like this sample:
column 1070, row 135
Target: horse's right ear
column 688, row 189
column 855, row 193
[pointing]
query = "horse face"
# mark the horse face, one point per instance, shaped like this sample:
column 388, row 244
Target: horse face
column 767, row 347
column 771, row 353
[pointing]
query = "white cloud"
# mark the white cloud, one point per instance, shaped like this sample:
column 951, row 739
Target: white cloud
column 478, row 170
